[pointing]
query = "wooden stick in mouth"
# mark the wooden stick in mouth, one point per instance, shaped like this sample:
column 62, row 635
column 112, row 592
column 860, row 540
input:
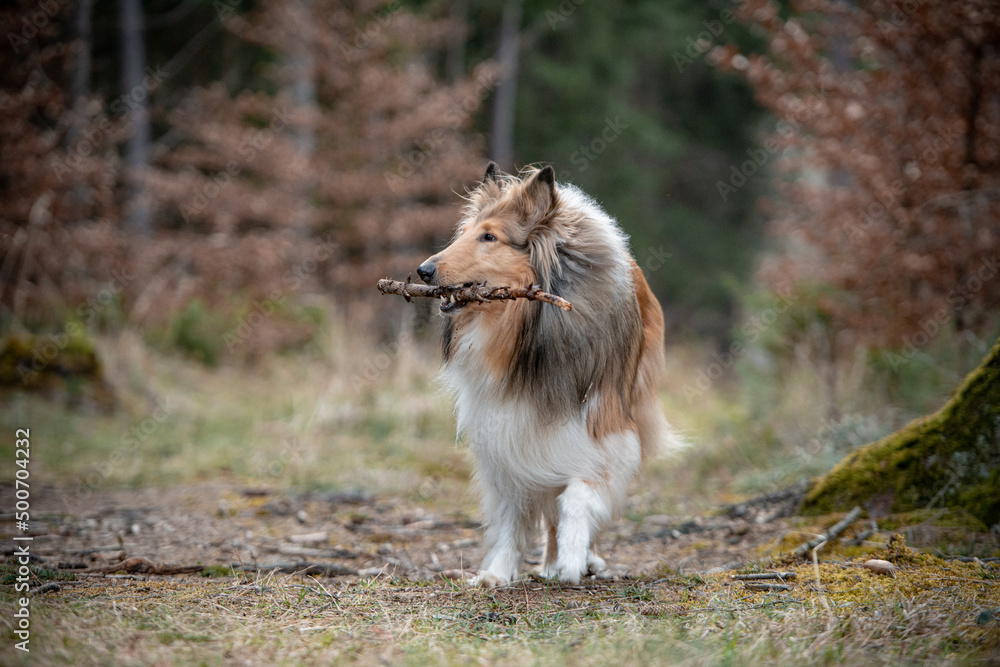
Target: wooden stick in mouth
column 479, row 293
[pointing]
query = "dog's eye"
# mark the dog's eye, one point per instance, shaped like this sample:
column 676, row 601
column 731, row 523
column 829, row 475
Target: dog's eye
column 488, row 237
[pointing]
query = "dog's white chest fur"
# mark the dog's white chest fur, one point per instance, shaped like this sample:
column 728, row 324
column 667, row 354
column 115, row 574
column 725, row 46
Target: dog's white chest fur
column 514, row 444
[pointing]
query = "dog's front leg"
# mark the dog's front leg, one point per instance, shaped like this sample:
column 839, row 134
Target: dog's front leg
column 506, row 536
column 582, row 511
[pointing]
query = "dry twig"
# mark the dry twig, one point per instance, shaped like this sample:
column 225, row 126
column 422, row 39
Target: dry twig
column 764, row 575
column 146, row 566
column 45, row 588
column 760, row 586
column 303, row 568
column 819, row 582
column 479, row 293
column 835, row 530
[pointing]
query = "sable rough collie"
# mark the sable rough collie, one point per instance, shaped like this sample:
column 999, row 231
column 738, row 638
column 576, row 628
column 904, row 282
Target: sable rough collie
column 560, row 407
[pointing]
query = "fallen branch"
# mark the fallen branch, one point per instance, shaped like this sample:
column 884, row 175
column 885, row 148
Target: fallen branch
column 306, row 553
column 303, row 567
column 971, row 559
column 858, row 539
column 835, row 530
column 757, row 586
column 468, row 293
column 146, row 566
column 764, row 575
column 44, row 588
column 131, row 566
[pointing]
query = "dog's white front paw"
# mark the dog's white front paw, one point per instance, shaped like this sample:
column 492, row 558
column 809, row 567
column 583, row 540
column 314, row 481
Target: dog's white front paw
column 547, row 572
column 487, row 579
column 571, row 569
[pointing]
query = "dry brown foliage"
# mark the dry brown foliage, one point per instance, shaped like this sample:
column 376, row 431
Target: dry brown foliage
column 257, row 196
column 58, row 169
column 887, row 153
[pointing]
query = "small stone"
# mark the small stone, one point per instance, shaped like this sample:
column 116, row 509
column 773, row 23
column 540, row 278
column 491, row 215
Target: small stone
column 880, row 566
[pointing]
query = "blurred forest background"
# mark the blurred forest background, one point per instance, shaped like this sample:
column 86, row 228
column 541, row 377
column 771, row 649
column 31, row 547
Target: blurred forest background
column 199, row 195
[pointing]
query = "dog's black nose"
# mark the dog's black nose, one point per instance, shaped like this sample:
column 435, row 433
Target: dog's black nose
column 427, row 271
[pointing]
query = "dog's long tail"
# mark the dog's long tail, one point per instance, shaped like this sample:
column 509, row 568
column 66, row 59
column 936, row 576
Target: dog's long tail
column 656, row 436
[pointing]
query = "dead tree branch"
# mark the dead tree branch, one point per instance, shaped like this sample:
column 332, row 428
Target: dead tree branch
column 764, row 575
column 757, row 586
column 301, row 567
column 479, row 293
column 146, row 566
column 835, row 530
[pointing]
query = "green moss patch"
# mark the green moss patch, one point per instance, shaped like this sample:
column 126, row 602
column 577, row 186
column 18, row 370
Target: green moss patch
column 64, row 364
column 948, row 459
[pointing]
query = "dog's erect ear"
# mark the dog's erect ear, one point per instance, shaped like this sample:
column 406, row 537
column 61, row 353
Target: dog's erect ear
column 492, row 172
column 541, row 191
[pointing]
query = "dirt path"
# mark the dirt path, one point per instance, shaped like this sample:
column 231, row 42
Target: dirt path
column 381, row 590
column 351, row 533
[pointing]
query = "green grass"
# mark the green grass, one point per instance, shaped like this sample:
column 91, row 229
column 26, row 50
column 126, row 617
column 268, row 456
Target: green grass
column 286, row 620
column 297, row 421
column 350, row 413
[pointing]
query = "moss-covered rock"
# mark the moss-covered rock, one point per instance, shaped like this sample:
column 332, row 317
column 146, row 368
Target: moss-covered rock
column 59, row 365
column 950, row 458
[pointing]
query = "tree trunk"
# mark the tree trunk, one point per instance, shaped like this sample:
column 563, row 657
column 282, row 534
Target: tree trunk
column 80, row 91
column 455, row 58
column 84, row 36
column 299, row 60
column 948, row 459
column 502, row 137
column 137, row 207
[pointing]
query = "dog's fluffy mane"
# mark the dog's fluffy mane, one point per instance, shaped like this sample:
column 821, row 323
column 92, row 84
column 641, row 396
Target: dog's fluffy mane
column 568, row 363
